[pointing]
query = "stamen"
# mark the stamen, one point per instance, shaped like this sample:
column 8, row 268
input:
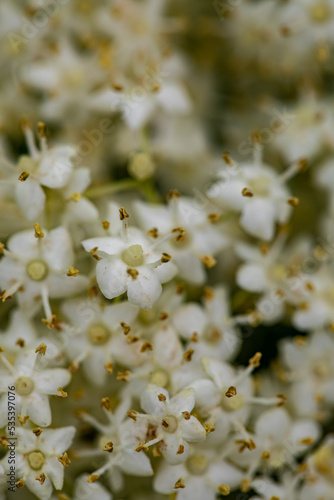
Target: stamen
column 29, row 137
column 295, row 168
column 41, row 128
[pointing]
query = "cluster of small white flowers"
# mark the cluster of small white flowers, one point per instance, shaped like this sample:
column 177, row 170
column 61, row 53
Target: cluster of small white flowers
column 166, row 312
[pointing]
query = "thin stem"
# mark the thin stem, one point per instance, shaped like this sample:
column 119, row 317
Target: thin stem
column 111, row 188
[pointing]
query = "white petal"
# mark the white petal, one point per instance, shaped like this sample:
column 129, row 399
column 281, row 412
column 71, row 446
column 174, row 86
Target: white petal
column 30, row 198
column 197, row 488
column 145, row 289
column 258, row 218
column 166, row 477
column 273, row 424
column 113, row 315
column 81, row 211
column 315, row 316
column 108, row 245
column 61, row 286
column 54, row 470
column 166, row 272
column 192, row 430
column 167, row 343
column 56, row 441
column 48, row 381
column 135, row 464
column 57, row 249
column 90, row 491
column 302, row 429
column 93, row 366
column 42, row 491
column 190, row 267
column 189, row 319
column 183, row 401
column 25, row 243
column 150, row 402
column 224, row 473
column 174, row 99
column 252, row 277
column 169, row 448
column 26, row 441
column 150, row 216
column 206, row 394
column 56, row 167
column 38, row 409
column 112, row 278
column 79, row 181
column 137, row 113
column 228, row 193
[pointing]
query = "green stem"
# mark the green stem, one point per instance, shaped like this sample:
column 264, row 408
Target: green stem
column 114, row 187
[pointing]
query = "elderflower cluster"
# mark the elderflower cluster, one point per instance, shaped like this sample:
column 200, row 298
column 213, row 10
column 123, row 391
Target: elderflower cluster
column 166, row 250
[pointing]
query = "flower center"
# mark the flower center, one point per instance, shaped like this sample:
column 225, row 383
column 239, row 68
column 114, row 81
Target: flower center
column 37, row 270
column 107, row 439
column 197, row 464
column 133, row 256
column 181, row 240
column 213, row 335
column 234, row 403
column 170, row 423
column 320, row 12
column 36, row 460
column 98, row 334
column 160, row 378
column 260, row 186
column 24, row 386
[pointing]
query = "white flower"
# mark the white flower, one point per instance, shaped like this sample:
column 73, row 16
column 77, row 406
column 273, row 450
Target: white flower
column 129, row 263
column 20, row 333
column 210, row 329
column 320, row 467
column 309, row 365
column 285, row 489
column 96, row 329
column 310, row 127
column 187, row 234
column 202, row 475
column 33, row 384
column 255, row 191
column 36, row 268
column 174, row 427
column 89, row 491
column 314, row 300
column 116, row 445
column 37, row 459
column 283, row 438
column 51, row 168
column 226, row 399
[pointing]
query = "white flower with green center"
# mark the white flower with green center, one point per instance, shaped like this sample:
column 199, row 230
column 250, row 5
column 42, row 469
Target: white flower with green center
column 35, row 269
column 185, row 231
column 174, row 426
column 116, row 443
column 129, row 263
column 33, row 385
column 283, row 438
column 37, row 461
column 202, row 474
column 95, row 328
column 43, row 167
column 257, row 192
column 308, row 364
column 209, row 330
